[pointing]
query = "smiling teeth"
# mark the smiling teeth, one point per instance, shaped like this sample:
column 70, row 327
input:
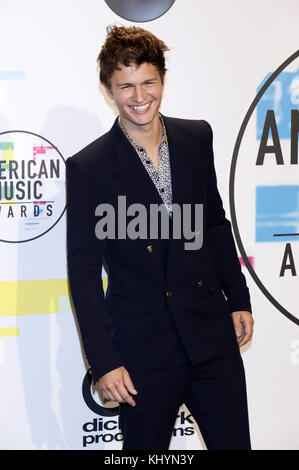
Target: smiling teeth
column 141, row 108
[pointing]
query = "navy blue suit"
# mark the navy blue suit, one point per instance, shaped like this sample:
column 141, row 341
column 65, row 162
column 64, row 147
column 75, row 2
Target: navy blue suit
column 165, row 307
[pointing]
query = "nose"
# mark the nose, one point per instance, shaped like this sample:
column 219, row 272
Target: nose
column 139, row 94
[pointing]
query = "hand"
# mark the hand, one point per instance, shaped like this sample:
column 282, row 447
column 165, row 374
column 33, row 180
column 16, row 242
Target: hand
column 243, row 324
column 116, row 386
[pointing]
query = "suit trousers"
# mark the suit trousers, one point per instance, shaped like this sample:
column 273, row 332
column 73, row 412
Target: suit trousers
column 214, row 392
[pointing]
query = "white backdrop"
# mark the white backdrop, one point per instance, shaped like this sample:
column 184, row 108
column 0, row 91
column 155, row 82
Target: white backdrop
column 221, row 51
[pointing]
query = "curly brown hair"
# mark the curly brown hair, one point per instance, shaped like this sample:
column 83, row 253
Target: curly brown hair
column 127, row 45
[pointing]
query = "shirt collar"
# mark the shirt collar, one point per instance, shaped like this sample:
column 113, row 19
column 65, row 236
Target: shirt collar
column 137, row 147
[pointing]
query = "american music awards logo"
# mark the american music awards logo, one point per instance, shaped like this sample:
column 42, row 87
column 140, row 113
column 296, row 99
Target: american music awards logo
column 264, row 188
column 32, row 186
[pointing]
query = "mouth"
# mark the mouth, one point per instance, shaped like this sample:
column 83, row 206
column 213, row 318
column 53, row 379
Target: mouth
column 141, row 109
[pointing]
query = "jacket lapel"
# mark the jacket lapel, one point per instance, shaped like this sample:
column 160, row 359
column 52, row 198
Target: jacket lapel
column 183, row 170
column 129, row 168
column 134, row 177
column 182, row 163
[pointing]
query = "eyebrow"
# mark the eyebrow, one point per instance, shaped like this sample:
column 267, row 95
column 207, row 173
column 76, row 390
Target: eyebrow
column 145, row 81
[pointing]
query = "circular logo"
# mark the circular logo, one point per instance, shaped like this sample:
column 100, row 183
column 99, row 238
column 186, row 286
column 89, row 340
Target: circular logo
column 90, row 401
column 264, row 188
column 32, row 186
column 140, row 10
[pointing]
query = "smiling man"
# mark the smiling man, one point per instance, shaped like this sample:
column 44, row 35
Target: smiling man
column 137, row 93
column 169, row 329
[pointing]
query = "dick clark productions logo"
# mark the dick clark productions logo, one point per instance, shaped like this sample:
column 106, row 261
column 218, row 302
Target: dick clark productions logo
column 104, row 426
column 32, row 186
column 264, row 188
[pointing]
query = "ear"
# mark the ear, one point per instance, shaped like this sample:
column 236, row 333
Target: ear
column 164, row 77
column 108, row 90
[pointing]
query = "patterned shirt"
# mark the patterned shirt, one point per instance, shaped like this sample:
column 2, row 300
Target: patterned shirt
column 161, row 178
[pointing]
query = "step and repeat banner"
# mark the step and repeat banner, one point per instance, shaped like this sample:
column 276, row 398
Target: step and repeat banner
column 232, row 63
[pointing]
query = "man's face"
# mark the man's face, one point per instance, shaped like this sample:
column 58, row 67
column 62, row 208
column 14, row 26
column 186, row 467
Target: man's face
column 137, row 93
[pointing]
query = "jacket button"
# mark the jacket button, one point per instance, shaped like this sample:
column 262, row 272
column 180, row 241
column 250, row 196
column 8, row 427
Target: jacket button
column 199, row 283
column 168, row 293
column 149, row 248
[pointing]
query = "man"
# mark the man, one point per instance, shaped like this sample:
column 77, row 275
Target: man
column 169, row 329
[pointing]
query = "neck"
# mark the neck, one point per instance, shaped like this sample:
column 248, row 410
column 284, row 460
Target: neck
column 148, row 135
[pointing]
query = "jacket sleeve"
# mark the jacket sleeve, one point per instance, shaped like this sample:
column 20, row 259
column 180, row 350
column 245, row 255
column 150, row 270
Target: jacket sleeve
column 84, row 263
column 221, row 243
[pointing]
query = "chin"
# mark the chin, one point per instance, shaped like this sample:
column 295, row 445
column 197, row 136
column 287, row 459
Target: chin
column 145, row 119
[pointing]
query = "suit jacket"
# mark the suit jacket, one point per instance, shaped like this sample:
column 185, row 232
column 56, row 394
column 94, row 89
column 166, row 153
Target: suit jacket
column 193, row 292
